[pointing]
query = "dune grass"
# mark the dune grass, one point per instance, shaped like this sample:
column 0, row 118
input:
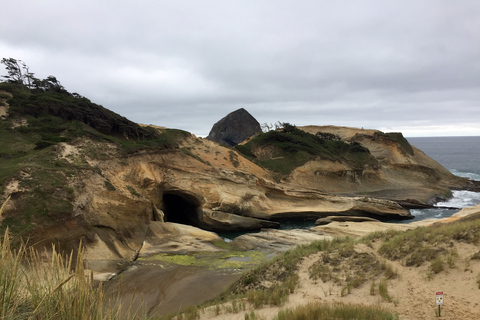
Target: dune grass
column 336, row 311
column 35, row 287
column 427, row 244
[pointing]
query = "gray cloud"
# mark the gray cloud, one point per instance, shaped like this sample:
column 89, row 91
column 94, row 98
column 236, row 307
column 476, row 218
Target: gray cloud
column 408, row 66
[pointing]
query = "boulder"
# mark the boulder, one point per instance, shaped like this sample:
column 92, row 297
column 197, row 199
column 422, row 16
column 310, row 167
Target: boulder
column 234, row 128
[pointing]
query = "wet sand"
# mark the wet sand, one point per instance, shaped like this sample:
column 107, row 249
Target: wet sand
column 159, row 288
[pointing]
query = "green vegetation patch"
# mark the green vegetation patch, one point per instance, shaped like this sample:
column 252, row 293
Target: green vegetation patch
column 72, row 107
column 292, row 147
column 213, row 260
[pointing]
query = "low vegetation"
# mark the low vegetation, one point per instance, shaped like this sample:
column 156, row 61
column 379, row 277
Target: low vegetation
column 427, row 244
column 348, row 268
column 336, row 311
column 290, row 147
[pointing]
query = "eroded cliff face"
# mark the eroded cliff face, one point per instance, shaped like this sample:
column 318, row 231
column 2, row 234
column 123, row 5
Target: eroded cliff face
column 123, row 206
column 403, row 174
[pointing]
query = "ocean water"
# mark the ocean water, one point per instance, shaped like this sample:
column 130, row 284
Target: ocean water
column 460, row 155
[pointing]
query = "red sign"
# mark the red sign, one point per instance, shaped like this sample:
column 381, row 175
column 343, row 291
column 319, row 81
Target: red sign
column 438, row 293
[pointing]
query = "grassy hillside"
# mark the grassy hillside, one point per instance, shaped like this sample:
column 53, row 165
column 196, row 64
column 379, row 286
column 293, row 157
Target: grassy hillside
column 291, row 147
column 37, row 123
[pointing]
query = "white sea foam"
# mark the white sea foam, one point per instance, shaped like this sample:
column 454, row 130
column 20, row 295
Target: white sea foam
column 461, row 199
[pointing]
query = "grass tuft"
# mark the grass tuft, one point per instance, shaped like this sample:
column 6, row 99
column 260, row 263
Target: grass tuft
column 383, row 290
column 437, row 265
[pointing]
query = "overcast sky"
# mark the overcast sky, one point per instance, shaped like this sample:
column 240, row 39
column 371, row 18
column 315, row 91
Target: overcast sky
column 397, row 65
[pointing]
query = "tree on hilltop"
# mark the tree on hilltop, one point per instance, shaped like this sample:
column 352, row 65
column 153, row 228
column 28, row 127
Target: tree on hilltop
column 18, row 72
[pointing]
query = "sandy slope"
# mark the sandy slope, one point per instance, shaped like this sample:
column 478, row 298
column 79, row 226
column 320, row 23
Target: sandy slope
column 413, row 291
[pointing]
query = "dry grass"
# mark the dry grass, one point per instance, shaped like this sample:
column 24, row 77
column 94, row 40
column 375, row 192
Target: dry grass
column 32, row 287
column 336, row 311
column 3, row 206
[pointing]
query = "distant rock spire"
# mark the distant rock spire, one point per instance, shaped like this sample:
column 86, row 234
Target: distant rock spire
column 234, row 128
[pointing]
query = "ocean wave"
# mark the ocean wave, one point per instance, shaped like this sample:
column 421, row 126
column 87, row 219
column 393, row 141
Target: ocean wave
column 469, row 175
column 461, row 199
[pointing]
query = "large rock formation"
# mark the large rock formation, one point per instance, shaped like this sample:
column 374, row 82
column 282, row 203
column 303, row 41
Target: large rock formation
column 234, row 128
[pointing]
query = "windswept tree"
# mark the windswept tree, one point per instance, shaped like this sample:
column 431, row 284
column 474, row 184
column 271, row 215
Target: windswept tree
column 18, row 72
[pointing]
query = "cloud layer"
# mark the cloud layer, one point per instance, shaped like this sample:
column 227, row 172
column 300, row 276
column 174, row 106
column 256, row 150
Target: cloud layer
column 409, row 66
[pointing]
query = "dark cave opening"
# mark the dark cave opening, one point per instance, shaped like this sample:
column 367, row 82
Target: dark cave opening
column 181, row 208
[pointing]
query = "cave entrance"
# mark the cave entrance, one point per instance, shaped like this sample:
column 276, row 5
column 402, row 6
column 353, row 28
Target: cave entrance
column 181, row 208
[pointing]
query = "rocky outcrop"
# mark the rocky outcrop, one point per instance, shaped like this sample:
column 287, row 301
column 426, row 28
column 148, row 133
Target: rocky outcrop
column 234, row 128
column 403, row 173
